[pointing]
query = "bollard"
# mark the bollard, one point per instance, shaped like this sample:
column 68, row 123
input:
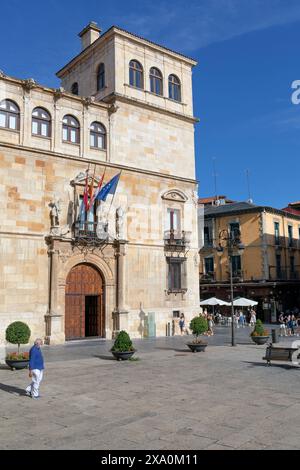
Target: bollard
column 275, row 336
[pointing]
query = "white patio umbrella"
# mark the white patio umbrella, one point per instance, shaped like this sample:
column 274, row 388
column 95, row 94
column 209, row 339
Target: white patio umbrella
column 214, row 301
column 242, row 302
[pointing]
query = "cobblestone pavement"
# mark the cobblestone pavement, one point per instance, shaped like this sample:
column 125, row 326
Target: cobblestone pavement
column 225, row 398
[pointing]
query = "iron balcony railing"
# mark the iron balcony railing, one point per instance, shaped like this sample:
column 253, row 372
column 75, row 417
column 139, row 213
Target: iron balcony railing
column 237, row 275
column 176, row 239
column 208, row 277
column 90, row 232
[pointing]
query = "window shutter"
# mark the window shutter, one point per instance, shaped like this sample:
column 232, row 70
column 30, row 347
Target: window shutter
column 184, row 274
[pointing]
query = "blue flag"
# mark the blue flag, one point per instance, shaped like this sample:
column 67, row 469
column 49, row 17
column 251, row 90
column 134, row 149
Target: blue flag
column 109, row 188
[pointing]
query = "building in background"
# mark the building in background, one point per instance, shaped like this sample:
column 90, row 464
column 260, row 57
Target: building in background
column 124, row 110
column 269, row 269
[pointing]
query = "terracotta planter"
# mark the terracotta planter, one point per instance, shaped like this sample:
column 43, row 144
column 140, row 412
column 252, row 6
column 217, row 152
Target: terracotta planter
column 17, row 363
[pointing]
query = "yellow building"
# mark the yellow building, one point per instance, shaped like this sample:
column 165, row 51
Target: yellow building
column 268, row 270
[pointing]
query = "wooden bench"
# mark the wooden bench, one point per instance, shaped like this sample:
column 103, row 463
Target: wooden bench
column 279, row 354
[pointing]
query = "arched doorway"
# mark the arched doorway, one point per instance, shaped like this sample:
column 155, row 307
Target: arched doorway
column 84, row 313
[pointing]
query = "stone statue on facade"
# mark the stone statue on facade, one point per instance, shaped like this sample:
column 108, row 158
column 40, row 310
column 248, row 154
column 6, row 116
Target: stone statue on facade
column 55, row 212
column 102, row 224
column 120, row 223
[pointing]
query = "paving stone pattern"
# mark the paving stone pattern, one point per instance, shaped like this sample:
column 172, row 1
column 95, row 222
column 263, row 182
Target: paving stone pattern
column 225, row 398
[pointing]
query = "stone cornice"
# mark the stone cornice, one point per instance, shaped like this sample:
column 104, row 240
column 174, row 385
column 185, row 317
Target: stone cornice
column 57, row 93
column 144, row 104
column 91, row 161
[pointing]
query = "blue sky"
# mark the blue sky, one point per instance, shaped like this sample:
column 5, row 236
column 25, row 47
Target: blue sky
column 248, row 54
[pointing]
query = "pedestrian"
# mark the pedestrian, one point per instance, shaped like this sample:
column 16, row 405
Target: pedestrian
column 36, row 369
column 252, row 318
column 282, row 326
column 181, row 323
column 210, row 323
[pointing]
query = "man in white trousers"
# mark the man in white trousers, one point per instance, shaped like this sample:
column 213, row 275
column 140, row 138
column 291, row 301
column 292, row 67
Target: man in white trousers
column 36, row 368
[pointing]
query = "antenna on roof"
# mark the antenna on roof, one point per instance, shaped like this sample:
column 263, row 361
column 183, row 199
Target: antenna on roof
column 215, row 177
column 250, row 200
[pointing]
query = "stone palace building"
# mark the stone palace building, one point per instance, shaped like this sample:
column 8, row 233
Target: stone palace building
column 124, row 107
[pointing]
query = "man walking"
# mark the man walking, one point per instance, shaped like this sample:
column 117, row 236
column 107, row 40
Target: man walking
column 36, row 368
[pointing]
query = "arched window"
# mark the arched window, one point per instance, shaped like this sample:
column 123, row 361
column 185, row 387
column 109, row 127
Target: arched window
column 174, row 88
column 100, row 77
column 74, row 88
column 41, row 122
column 156, row 81
column 9, row 115
column 136, row 74
column 97, row 136
column 71, row 129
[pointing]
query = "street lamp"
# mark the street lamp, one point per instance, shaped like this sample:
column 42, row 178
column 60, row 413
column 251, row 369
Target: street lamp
column 232, row 241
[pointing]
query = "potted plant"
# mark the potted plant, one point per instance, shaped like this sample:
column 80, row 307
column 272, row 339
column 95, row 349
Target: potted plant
column 259, row 335
column 198, row 326
column 17, row 333
column 123, row 348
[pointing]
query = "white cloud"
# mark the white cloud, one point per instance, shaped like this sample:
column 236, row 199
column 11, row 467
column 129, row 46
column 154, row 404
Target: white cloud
column 189, row 26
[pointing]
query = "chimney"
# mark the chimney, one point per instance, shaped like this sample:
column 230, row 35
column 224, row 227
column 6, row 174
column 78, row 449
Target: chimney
column 89, row 34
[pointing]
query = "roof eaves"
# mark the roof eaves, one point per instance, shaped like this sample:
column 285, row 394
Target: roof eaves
column 117, row 28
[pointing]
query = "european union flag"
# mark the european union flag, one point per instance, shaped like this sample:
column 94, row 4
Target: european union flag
column 109, row 188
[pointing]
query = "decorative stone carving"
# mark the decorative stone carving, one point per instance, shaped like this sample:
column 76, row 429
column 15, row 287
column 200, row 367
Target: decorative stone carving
column 29, row 83
column 113, row 109
column 102, row 225
column 58, row 92
column 175, row 195
column 64, row 256
column 88, row 100
column 120, row 223
column 55, row 212
column 2, row 74
column 195, row 198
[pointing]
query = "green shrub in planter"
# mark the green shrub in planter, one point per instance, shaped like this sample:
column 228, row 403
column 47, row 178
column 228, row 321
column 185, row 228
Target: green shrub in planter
column 199, row 326
column 18, row 333
column 259, row 329
column 123, row 343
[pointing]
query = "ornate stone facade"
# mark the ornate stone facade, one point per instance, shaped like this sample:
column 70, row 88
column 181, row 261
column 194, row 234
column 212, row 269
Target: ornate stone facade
column 150, row 140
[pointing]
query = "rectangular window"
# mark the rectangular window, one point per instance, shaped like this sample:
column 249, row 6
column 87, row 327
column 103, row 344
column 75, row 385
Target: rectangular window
column 209, row 265
column 234, row 228
column 173, row 220
column 207, row 236
column 92, row 140
column 276, row 231
column 290, row 233
column 175, row 274
column 236, row 265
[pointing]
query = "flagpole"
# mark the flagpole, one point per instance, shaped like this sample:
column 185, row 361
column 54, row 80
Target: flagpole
column 91, row 189
column 113, row 196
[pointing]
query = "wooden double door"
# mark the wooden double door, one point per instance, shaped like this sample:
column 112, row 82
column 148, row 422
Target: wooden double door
column 84, row 303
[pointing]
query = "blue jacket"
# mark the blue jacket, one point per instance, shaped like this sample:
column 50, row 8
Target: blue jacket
column 36, row 360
